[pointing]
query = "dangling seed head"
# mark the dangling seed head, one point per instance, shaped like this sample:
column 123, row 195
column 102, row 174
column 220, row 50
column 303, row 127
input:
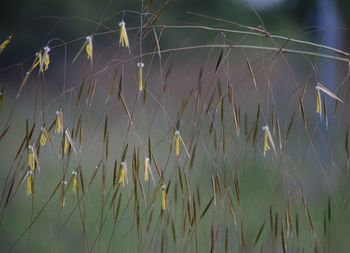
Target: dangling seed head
column 164, row 197
column 177, row 143
column 75, row 182
column 59, row 122
column 123, row 36
column 140, row 65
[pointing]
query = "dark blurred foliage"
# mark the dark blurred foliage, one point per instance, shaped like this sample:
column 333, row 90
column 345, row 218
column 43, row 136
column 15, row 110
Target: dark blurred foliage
column 34, row 22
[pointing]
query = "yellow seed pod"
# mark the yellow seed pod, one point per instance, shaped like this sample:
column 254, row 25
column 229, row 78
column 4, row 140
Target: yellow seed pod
column 123, row 36
column 30, row 183
column 59, row 122
column 75, row 182
column 43, row 138
column 140, row 65
column 147, row 168
column 177, row 143
column 123, row 176
column 31, row 160
column 38, row 61
column 268, row 140
column 46, row 58
column 5, row 43
column 318, row 102
column 65, row 144
column 164, row 197
column 88, row 48
column 266, row 143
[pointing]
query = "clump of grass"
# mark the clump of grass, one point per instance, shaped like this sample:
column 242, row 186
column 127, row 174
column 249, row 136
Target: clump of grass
column 203, row 143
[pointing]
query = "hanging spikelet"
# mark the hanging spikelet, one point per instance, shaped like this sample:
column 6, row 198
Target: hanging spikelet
column 318, row 103
column 140, row 65
column 164, row 199
column 75, row 182
column 177, row 143
column 177, row 140
column 123, row 175
column 5, row 43
column 43, row 138
column 38, row 61
column 30, row 183
column 59, row 122
column 45, row 60
column 268, row 140
column 123, row 36
column 31, row 160
column 89, row 49
column 146, row 165
column 65, row 144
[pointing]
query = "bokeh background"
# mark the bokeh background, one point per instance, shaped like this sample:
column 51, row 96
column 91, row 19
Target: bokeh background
column 30, row 22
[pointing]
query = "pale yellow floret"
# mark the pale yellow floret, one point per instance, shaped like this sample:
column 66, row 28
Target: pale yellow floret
column 29, row 183
column 46, row 59
column 318, row 102
column 65, row 144
column 31, row 160
column 140, row 65
column 88, row 48
column 123, row 36
column 75, row 182
column 123, row 176
column 268, row 141
column 59, row 122
column 146, row 166
column 177, row 143
column 164, row 198
column 43, row 138
column 5, row 43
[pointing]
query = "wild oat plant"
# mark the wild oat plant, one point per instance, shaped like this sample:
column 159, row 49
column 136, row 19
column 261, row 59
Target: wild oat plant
column 112, row 142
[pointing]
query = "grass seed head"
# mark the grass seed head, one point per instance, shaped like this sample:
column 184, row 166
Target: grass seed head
column 123, row 36
column 140, row 65
column 123, row 176
column 89, row 48
column 43, row 138
column 31, row 159
column 46, row 59
column 30, row 183
column 164, row 197
column 268, row 140
column 75, row 182
column 59, row 122
column 5, row 43
column 177, row 143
